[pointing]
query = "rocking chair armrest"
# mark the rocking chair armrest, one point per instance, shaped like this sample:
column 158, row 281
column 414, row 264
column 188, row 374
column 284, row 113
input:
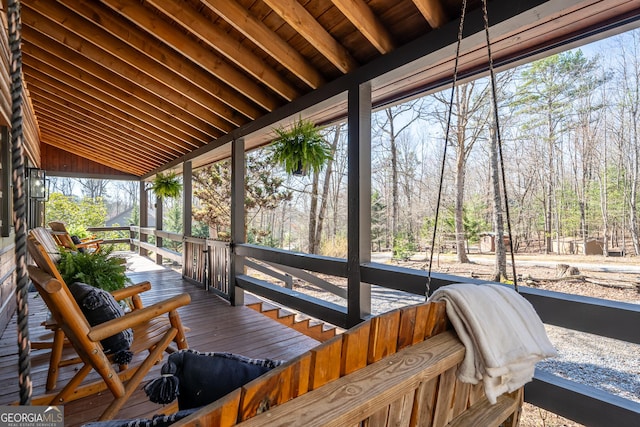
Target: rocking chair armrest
column 136, row 317
column 88, row 243
column 130, row 291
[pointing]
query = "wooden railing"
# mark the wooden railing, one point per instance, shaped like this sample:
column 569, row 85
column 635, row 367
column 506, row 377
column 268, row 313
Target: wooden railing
column 586, row 404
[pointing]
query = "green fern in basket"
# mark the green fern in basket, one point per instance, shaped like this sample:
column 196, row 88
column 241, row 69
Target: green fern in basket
column 95, row 269
column 301, row 148
column 166, row 185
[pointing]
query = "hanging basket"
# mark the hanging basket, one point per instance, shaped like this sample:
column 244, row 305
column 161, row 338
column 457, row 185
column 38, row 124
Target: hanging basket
column 301, row 148
column 166, row 185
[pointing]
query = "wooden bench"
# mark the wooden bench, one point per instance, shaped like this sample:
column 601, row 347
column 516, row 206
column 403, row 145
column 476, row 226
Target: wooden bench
column 397, row 369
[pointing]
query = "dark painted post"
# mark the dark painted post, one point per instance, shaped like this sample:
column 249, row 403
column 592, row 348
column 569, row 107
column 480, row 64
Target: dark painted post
column 144, row 216
column 187, row 198
column 237, row 218
column 187, row 207
column 359, row 202
column 159, row 213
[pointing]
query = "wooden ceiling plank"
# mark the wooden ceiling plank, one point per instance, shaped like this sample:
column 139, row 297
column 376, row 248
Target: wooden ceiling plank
column 103, row 17
column 182, row 43
column 108, row 90
column 294, row 14
column 78, row 93
column 80, row 148
column 70, row 139
column 267, row 40
column 365, row 21
column 230, row 48
column 432, row 11
column 50, row 106
column 122, row 62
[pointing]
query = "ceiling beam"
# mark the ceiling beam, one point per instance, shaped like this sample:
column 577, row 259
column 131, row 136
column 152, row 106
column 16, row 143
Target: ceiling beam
column 214, row 64
column 37, row 70
column 365, row 21
column 74, row 31
column 115, row 119
column 220, row 41
column 294, row 14
column 267, row 40
column 85, row 122
column 116, row 25
column 432, row 11
column 78, row 67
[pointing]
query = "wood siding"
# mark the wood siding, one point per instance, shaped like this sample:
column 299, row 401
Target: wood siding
column 63, row 163
column 7, row 281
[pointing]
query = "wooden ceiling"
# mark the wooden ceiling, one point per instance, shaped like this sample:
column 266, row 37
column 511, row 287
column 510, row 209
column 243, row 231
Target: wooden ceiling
column 134, row 85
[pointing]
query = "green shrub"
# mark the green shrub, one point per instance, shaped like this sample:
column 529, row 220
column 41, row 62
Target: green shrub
column 404, row 247
column 96, row 269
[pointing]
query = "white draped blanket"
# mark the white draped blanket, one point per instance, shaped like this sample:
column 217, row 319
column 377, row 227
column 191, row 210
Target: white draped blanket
column 503, row 335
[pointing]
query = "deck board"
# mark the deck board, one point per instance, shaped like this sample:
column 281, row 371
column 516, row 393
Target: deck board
column 214, row 326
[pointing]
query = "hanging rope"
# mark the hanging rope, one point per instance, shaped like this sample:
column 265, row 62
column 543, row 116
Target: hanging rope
column 19, row 200
column 446, row 144
column 499, row 140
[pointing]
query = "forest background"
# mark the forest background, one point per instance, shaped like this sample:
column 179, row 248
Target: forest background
column 571, row 155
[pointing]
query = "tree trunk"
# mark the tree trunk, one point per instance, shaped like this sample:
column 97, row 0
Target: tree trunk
column 459, row 209
column 395, row 191
column 313, row 214
column 500, row 270
column 325, row 188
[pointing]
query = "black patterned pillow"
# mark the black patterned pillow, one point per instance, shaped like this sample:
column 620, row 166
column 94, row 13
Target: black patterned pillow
column 99, row 306
column 198, row 378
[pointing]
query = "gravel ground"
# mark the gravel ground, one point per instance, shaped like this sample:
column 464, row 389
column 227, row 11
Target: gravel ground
column 607, row 364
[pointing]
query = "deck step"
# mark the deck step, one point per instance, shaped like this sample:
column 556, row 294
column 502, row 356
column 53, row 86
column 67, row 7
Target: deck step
column 315, row 329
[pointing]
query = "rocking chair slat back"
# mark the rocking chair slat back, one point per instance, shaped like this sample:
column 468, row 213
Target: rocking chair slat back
column 154, row 327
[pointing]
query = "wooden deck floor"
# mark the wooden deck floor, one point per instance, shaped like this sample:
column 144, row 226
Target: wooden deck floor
column 214, row 326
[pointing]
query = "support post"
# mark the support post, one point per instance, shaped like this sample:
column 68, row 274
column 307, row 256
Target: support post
column 359, row 202
column 187, row 208
column 144, row 216
column 238, row 231
column 187, row 198
column 159, row 214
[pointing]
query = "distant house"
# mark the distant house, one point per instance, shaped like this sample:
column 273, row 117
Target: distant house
column 488, row 242
column 568, row 245
column 124, row 218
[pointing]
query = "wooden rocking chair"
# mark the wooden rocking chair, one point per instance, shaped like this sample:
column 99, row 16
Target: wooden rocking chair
column 154, row 328
column 63, row 238
column 46, row 258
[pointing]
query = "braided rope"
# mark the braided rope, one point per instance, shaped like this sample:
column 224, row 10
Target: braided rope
column 19, row 201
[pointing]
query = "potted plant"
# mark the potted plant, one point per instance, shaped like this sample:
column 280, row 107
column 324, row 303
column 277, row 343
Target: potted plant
column 96, row 269
column 300, row 148
column 166, row 185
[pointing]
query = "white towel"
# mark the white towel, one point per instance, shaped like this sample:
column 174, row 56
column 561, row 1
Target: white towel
column 502, row 334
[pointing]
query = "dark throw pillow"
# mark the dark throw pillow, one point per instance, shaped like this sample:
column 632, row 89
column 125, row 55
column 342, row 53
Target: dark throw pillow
column 201, row 378
column 99, row 306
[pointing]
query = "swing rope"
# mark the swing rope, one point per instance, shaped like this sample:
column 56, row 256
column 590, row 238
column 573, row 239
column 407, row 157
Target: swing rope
column 498, row 140
column 446, row 143
column 19, row 201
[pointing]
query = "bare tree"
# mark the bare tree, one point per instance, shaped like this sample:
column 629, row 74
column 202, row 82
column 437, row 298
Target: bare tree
column 391, row 123
column 93, row 188
column 469, row 117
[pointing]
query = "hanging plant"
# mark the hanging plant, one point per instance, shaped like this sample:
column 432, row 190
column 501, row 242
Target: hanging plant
column 166, row 185
column 301, row 148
